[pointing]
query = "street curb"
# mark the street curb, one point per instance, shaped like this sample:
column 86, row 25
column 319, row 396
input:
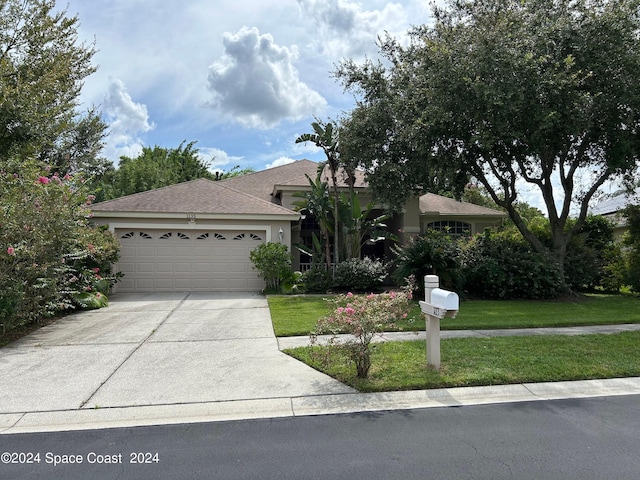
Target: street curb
column 346, row 403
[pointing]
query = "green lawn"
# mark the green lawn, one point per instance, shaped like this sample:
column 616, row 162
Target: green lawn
column 488, row 361
column 297, row 315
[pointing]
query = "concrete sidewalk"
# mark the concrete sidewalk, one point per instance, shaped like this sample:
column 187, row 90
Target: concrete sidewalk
column 180, row 358
column 294, row 342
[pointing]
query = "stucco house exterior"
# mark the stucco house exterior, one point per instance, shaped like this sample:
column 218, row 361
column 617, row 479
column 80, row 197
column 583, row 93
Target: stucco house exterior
column 197, row 235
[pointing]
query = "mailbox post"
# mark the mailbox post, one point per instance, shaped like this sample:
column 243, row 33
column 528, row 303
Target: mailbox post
column 437, row 304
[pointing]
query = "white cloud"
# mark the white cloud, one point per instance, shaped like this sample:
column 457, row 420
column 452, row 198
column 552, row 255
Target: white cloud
column 346, row 30
column 217, row 158
column 279, row 162
column 126, row 119
column 256, row 84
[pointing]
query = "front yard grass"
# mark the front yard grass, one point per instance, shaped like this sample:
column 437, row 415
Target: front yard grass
column 486, row 361
column 297, row 315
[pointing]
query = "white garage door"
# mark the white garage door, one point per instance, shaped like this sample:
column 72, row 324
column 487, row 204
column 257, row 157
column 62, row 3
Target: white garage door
column 189, row 260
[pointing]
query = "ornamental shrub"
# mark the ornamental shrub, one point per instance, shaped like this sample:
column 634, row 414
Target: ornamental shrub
column 272, row 260
column 360, row 275
column 362, row 317
column 502, row 265
column 317, row 279
column 51, row 258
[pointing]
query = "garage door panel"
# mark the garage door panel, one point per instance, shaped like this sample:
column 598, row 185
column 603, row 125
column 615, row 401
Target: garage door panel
column 145, row 267
column 144, row 284
column 164, row 251
column 183, row 252
column 164, row 267
column 172, row 260
column 181, row 267
column 127, row 267
column 237, row 268
column 146, row 251
column 202, row 250
column 201, row 268
column 183, row 284
column 126, row 284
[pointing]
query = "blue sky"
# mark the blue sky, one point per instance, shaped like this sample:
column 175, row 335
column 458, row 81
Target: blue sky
column 241, row 78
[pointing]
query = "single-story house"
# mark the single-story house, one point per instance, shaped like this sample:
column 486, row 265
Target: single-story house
column 612, row 209
column 197, row 235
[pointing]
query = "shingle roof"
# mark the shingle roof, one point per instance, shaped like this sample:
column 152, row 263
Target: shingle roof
column 261, row 184
column 617, row 203
column 437, row 204
column 197, row 196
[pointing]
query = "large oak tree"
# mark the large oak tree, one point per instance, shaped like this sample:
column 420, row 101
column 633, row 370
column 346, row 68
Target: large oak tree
column 537, row 92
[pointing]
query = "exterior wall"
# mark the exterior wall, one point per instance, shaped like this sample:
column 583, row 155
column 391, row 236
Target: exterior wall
column 271, row 228
column 287, row 199
column 476, row 224
column 409, row 220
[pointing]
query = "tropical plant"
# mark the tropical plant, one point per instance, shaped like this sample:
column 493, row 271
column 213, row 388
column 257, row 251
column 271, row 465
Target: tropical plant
column 325, row 136
column 433, row 253
column 358, row 227
column 317, row 202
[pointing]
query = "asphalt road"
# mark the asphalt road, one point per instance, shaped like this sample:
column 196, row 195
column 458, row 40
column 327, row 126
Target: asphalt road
column 565, row 439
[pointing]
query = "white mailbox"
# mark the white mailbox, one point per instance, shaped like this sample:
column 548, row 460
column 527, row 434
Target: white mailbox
column 438, row 304
column 445, row 299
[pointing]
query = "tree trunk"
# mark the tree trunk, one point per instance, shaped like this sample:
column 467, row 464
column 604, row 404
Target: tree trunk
column 363, row 362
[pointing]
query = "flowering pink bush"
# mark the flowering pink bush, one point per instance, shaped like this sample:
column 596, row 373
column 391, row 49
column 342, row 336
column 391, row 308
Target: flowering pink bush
column 48, row 249
column 363, row 317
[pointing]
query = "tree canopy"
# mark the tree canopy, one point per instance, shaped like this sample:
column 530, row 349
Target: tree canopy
column 538, row 92
column 154, row 168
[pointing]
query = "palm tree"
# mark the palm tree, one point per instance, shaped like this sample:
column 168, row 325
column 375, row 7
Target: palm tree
column 325, row 136
column 317, row 202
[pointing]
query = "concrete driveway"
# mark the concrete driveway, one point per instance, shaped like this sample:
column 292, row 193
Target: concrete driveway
column 155, row 349
column 199, row 357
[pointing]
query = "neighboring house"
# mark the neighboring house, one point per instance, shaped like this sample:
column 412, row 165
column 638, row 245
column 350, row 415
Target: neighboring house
column 197, row 235
column 612, row 209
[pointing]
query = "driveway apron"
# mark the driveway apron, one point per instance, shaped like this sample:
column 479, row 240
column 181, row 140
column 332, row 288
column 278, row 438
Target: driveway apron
column 155, row 349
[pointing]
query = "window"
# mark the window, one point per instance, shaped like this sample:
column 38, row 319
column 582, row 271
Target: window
column 146, row 236
column 166, row 236
column 182, row 236
column 127, row 235
column 450, row 226
column 203, row 236
column 217, row 236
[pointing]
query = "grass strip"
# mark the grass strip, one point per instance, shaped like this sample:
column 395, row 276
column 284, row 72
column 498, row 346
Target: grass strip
column 485, row 361
column 297, row 315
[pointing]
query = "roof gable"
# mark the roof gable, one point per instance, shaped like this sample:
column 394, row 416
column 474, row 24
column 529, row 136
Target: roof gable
column 196, row 196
